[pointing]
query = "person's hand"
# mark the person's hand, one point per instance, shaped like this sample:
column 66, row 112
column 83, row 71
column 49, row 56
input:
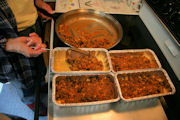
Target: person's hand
column 34, row 41
column 41, row 4
column 27, row 46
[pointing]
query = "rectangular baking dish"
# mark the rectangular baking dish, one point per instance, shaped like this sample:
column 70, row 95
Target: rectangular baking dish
column 148, row 54
column 139, row 85
column 84, row 103
column 60, row 65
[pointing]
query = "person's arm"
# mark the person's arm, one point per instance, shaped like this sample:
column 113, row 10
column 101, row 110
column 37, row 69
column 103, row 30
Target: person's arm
column 42, row 5
column 10, row 42
column 6, row 30
column 23, row 45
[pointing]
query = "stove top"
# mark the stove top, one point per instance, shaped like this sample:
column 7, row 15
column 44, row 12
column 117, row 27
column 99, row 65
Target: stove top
column 169, row 13
column 137, row 36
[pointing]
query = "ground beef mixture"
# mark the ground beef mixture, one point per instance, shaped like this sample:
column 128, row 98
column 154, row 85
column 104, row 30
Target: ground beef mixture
column 132, row 61
column 86, row 88
column 84, row 62
column 143, row 84
column 97, row 38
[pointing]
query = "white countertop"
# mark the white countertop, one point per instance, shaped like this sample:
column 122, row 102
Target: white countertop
column 119, row 111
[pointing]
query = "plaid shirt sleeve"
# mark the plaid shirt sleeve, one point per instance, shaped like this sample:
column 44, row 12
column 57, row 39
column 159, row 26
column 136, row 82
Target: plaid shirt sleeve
column 13, row 66
column 7, row 23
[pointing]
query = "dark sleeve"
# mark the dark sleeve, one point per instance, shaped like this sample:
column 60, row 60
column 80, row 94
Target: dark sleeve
column 6, row 29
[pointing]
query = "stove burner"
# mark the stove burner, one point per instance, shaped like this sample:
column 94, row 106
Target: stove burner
column 169, row 13
column 177, row 2
column 175, row 18
column 167, row 8
column 156, row 1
